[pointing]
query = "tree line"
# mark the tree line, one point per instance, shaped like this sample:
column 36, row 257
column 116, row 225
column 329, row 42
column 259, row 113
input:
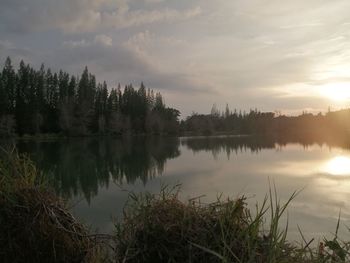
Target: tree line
column 305, row 125
column 231, row 122
column 41, row 101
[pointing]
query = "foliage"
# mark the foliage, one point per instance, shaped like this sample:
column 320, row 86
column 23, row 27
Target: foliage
column 268, row 123
column 40, row 101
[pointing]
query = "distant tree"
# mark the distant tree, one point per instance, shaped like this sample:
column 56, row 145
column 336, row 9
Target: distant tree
column 84, row 111
column 159, row 105
column 9, row 84
column 4, row 100
column 227, row 111
column 214, row 111
column 22, row 100
column 100, row 108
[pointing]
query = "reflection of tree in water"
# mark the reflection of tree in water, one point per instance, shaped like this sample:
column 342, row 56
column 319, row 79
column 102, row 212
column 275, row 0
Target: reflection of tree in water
column 254, row 144
column 228, row 144
column 81, row 166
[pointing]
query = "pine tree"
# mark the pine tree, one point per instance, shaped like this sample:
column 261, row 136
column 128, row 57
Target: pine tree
column 44, row 101
column 3, row 98
column 159, row 105
column 85, row 102
column 9, row 85
column 227, row 111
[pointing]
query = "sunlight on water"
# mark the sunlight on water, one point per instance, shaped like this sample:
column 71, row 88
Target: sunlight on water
column 339, row 165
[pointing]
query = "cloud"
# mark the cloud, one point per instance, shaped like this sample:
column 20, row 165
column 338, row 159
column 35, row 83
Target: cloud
column 125, row 18
column 79, row 43
column 99, row 40
column 121, row 63
column 153, row 1
column 82, row 15
column 5, row 44
column 19, row 16
column 103, row 40
column 246, row 53
column 7, row 48
column 145, row 43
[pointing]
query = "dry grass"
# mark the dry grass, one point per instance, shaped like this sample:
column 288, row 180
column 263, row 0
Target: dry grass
column 161, row 228
column 35, row 224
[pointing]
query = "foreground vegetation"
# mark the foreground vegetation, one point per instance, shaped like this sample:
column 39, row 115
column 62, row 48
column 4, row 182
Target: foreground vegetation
column 36, row 226
column 161, row 228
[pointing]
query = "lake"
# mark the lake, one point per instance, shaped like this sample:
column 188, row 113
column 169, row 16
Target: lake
column 95, row 174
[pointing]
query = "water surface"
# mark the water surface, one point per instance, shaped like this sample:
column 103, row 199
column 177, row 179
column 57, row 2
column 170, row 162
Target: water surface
column 93, row 174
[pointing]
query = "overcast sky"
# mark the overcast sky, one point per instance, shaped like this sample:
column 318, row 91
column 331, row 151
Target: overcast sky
column 267, row 54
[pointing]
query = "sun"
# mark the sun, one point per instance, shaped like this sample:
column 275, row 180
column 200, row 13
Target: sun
column 339, row 165
column 339, row 92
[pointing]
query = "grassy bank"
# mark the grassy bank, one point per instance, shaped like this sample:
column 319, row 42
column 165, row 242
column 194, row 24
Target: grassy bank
column 161, row 228
column 36, row 226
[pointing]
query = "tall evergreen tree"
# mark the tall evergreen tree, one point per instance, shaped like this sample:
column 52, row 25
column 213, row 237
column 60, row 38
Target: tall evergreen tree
column 4, row 100
column 43, row 101
column 9, row 85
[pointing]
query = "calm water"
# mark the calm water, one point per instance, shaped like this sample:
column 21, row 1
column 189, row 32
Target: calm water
column 91, row 173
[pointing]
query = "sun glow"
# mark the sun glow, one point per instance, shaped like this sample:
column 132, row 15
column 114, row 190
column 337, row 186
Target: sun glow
column 339, row 92
column 339, row 165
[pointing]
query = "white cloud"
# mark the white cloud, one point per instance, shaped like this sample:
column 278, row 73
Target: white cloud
column 99, row 41
column 79, row 43
column 126, row 18
column 159, row 52
column 103, row 40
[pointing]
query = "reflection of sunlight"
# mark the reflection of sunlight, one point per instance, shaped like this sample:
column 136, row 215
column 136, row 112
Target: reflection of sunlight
column 336, row 91
column 339, row 165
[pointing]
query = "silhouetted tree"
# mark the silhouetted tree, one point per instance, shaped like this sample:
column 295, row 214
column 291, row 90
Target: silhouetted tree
column 42, row 101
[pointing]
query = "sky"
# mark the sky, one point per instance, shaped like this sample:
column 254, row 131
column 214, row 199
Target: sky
column 287, row 56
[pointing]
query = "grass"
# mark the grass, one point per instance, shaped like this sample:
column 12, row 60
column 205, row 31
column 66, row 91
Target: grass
column 36, row 226
column 161, row 228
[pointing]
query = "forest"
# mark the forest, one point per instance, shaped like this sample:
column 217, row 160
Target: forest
column 34, row 102
column 305, row 125
column 43, row 102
